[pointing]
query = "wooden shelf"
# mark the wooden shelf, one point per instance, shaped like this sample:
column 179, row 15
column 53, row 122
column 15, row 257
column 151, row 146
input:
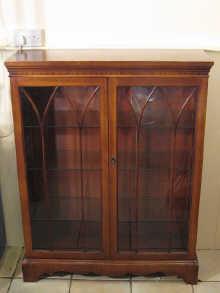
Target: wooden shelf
column 152, row 236
column 65, row 209
column 67, row 235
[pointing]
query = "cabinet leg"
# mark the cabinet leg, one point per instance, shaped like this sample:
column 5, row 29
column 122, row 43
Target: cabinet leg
column 190, row 276
column 30, row 273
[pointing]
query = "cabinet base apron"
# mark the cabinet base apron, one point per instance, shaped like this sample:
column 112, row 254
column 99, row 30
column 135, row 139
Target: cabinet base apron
column 34, row 269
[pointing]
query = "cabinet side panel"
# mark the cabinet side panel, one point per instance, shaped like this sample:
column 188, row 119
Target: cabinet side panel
column 21, row 165
column 198, row 162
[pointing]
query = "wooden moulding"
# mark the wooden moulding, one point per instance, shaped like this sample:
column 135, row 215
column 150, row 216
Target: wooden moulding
column 109, row 62
column 34, row 269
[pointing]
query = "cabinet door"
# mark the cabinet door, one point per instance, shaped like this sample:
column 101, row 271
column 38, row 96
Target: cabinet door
column 64, row 125
column 152, row 144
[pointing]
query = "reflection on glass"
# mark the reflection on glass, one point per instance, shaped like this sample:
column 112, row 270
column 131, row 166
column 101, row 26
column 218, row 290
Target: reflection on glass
column 155, row 134
column 62, row 146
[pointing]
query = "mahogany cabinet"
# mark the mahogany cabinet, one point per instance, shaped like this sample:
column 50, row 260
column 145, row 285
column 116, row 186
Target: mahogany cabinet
column 109, row 152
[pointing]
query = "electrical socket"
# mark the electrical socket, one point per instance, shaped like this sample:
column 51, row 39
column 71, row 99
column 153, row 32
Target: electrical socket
column 29, row 37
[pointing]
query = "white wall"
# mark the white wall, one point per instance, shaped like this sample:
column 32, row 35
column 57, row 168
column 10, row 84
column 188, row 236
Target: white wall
column 209, row 217
column 8, row 167
column 118, row 23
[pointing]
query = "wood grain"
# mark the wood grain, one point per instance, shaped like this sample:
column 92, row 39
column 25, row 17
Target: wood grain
column 80, row 85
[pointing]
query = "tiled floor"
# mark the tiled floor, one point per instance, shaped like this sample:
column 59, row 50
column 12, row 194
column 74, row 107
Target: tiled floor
column 11, row 279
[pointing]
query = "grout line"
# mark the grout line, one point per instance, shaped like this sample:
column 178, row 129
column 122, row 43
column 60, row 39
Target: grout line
column 203, row 249
column 16, row 266
column 9, row 287
column 130, row 282
column 208, row 249
column 70, row 283
column 18, row 260
column 45, row 278
column 209, row 281
column 96, row 278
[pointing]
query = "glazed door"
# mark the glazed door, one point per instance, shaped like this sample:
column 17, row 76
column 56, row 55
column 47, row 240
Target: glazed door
column 152, row 143
column 65, row 147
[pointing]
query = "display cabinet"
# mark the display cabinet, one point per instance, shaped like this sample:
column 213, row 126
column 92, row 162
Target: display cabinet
column 109, row 152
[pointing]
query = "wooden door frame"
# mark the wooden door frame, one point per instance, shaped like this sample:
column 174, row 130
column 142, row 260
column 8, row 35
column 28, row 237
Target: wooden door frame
column 201, row 83
column 31, row 81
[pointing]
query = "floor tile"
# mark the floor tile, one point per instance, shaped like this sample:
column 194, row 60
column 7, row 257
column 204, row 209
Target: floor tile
column 209, row 265
column 9, row 261
column 79, row 286
column 18, row 272
column 9, row 188
column 161, row 286
column 4, row 285
column 43, row 286
column 207, row 287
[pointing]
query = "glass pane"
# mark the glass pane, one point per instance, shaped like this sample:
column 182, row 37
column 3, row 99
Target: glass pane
column 155, row 134
column 62, row 146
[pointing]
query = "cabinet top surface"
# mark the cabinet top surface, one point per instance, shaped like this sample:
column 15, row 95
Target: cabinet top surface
column 109, row 58
column 110, row 55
